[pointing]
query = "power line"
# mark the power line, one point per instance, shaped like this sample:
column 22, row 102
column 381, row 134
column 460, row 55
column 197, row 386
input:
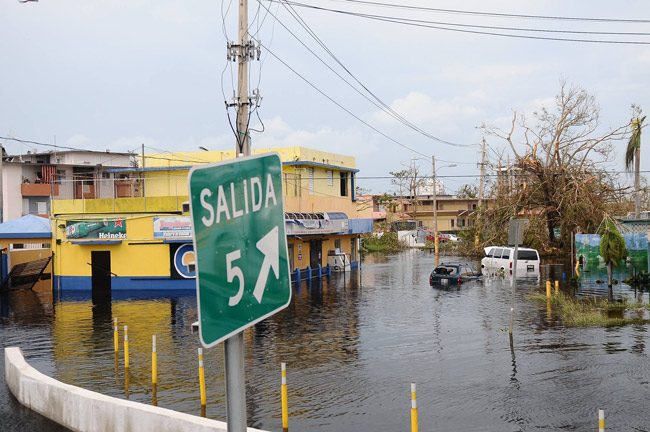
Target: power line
column 374, row 99
column 522, row 29
column 423, row 24
column 312, row 85
column 495, row 14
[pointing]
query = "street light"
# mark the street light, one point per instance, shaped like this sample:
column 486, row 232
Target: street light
column 436, row 245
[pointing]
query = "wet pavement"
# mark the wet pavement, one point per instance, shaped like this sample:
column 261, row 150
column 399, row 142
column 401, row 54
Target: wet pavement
column 352, row 348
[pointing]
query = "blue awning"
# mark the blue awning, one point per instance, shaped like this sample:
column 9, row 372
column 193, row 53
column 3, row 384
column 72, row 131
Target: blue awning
column 28, row 226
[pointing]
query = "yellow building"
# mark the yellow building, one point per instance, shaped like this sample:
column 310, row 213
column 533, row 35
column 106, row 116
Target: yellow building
column 454, row 214
column 135, row 232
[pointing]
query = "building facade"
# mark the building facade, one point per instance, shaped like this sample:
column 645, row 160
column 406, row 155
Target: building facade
column 135, row 232
column 30, row 180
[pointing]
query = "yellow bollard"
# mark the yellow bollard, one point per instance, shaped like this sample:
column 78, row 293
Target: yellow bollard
column 414, row 410
column 116, row 338
column 201, row 379
column 601, row 421
column 548, row 288
column 154, row 361
column 285, row 401
column 557, row 287
column 126, row 347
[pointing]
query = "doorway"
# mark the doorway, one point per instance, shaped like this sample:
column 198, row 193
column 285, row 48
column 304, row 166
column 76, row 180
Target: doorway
column 100, row 262
column 315, row 253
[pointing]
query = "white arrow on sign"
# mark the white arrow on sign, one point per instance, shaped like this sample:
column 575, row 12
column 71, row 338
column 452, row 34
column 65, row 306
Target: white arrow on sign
column 268, row 245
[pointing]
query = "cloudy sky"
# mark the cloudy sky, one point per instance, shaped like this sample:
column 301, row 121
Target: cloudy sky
column 114, row 75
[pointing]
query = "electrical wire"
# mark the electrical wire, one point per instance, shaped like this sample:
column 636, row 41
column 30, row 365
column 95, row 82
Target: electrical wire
column 494, row 14
column 312, row 85
column 522, row 29
column 416, row 23
column 374, row 99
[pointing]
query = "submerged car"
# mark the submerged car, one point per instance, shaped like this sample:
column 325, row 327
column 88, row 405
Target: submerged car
column 452, row 274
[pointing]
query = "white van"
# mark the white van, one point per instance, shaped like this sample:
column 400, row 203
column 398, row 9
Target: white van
column 500, row 260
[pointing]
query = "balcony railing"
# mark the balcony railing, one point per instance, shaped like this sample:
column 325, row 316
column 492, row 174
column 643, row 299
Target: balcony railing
column 119, row 188
column 39, row 189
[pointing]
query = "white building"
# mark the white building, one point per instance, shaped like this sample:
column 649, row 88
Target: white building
column 30, row 180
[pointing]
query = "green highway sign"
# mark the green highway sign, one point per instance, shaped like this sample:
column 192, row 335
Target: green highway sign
column 242, row 266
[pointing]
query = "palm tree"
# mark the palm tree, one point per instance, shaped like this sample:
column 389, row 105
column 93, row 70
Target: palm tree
column 633, row 153
column 612, row 248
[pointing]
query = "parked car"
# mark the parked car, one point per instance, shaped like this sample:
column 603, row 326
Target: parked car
column 443, row 237
column 500, row 260
column 449, row 237
column 452, row 274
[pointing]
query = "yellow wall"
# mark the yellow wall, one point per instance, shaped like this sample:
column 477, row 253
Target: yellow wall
column 150, row 259
column 100, row 207
column 286, row 154
column 328, row 244
column 166, row 183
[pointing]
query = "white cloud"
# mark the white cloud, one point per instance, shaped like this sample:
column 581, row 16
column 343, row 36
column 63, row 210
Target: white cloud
column 280, row 134
column 79, row 141
column 420, row 108
column 488, row 74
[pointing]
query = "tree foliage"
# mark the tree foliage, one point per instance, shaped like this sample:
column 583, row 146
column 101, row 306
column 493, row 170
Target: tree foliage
column 468, row 191
column 556, row 178
column 612, row 248
column 634, row 143
column 612, row 243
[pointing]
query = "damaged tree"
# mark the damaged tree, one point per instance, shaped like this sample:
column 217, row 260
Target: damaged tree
column 557, row 178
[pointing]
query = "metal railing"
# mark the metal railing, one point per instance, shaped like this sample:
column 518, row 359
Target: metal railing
column 84, row 189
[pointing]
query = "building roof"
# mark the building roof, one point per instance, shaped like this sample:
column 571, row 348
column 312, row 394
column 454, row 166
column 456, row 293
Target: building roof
column 51, row 152
column 189, row 167
column 28, row 226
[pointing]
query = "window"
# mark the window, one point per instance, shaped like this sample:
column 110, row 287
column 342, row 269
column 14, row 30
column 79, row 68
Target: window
column 330, row 178
column 337, row 244
column 344, row 184
column 311, row 179
column 452, row 223
column 506, row 254
column 530, row 255
column 498, row 252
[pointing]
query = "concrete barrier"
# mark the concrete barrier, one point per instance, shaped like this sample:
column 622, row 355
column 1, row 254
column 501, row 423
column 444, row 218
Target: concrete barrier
column 84, row 410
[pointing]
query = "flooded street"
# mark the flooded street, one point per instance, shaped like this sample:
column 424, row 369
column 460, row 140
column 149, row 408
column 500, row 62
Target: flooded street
column 352, row 348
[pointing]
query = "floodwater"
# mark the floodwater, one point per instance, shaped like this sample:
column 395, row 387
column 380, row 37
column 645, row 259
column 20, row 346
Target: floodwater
column 352, row 348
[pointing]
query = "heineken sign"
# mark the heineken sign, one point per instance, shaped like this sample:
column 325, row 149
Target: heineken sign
column 103, row 229
column 240, row 244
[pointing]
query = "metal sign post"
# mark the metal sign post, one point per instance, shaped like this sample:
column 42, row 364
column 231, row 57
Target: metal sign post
column 242, row 265
column 515, row 237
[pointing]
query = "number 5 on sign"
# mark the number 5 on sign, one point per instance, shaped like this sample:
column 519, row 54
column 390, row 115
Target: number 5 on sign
column 242, row 264
column 232, row 273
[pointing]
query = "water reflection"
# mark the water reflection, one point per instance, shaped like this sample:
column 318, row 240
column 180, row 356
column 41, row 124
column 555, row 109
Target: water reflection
column 352, row 344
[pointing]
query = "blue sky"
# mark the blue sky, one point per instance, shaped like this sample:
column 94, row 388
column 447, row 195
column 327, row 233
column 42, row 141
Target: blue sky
column 114, row 75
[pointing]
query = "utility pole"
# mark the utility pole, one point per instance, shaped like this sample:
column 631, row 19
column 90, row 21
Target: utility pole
column 243, row 51
column 481, row 188
column 144, row 196
column 435, row 208
column 413, row 186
